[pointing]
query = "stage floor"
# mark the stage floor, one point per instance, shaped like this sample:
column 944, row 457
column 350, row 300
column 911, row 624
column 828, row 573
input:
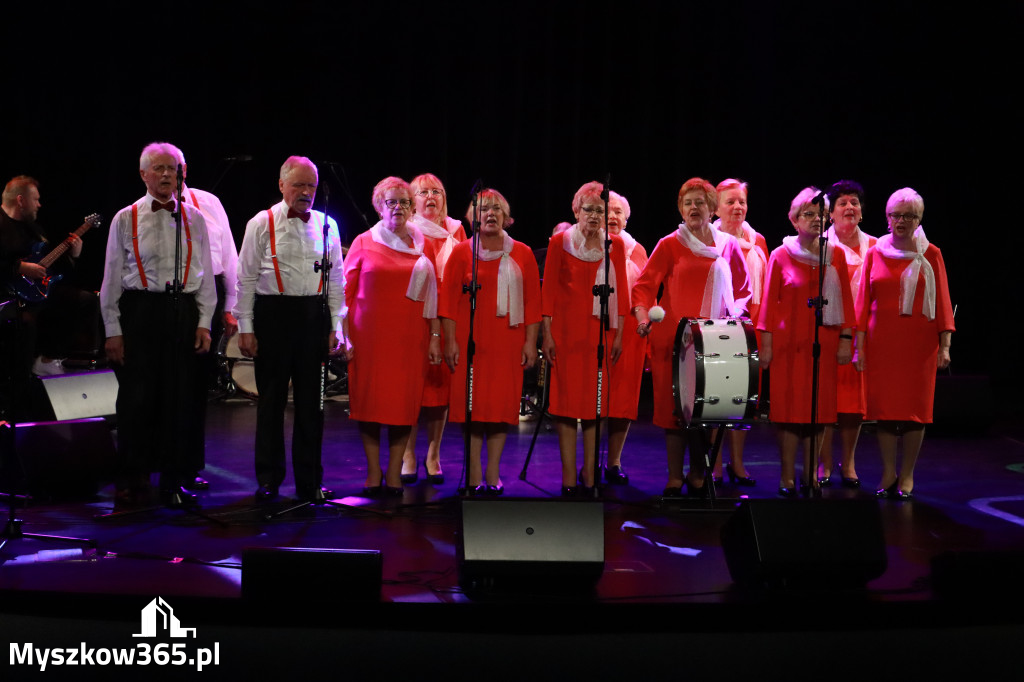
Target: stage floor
column 664, row 570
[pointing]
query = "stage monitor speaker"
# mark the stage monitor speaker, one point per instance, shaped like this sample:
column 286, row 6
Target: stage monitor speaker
column 805, row 543
column 64, row 459
column 529, row 542
column 291, row 576
column 74, row 396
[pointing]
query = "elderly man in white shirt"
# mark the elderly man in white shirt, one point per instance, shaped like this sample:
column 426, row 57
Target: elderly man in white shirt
column 283, row 325
column 153, row 335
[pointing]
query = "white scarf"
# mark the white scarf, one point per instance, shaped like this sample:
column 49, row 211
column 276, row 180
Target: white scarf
column 510, row 281
column 908, row 280
column 632, row 269
column 718, row 295
column 755, row 258
column 422, row 281
column 832, row 290
column 435, row 231
column 855, row 258
column 574, row 242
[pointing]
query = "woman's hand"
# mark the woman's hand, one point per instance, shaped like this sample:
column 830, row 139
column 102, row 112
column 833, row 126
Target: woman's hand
column 845, row 351
column 643, row 320
column 617, row 343
column 529, row 355
column 451, row 352
column 858, row 356
column 434, row 350
column 943, row 357
column 764, row 355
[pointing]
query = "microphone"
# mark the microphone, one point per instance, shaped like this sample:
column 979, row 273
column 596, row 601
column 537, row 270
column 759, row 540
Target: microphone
column 655, row 314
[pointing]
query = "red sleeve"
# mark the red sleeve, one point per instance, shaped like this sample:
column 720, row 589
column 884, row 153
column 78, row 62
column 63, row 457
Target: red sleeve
column 645, row 290
column 552, row 276
column 864, row 295
column 770, row 299
column 621, row 278
column 943, row 305
column 639, row 255
column 451, row 286
column 531, row 284
column 353, row 264
column 760, row 243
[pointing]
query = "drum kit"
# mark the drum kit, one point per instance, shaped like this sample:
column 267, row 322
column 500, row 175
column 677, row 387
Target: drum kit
column 236, row 374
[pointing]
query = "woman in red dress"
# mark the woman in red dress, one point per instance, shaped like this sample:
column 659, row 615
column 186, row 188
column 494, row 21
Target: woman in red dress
column 904, row 325
column 704, row 275
column 732, row 219
column 431, row 218
column 628, row 371
column 846, row 198
column 391, row 329
column 504, row 333
column 571, row 320
column 787, row 336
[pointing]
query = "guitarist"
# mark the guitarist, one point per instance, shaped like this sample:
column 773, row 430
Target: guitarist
column 20, row 236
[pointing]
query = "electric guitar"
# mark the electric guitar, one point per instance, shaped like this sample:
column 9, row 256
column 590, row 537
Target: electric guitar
column 32, row 291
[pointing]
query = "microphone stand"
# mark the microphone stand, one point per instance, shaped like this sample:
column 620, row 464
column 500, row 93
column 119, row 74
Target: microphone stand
column 603, row 291
column 471, row 289
column 818, row 303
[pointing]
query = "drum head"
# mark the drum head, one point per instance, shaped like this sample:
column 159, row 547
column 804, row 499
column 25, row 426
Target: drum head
column 684, row 371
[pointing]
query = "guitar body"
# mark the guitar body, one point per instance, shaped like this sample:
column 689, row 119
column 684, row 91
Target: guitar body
column 31, row 291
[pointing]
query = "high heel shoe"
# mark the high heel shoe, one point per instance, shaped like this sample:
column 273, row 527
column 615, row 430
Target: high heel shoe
column 851, row 482
column 569, row 490
column 494, row 490
column 739, row 480
column 892, row 492
column 409, row 479
column 786, row 491
column 476, row 490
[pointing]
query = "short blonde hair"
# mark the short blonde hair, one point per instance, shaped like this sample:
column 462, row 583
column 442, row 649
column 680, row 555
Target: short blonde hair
column 502, row 201
column 429, row 179
column 906, row 195
column 698, row 185
column 805, row 197
column 392, row 182
column 615, row 196
column 730, row 183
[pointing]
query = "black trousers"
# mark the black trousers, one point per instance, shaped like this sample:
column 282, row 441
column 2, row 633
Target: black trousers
column 157, row 424
column 291, row 340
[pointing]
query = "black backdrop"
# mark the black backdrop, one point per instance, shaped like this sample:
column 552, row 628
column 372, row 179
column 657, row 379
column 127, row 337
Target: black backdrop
column 536, row 98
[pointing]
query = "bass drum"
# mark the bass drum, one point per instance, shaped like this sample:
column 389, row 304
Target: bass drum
column 715, row 371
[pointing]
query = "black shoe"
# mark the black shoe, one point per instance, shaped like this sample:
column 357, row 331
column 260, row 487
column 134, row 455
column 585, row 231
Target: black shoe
column 615, row 475
column 196, row 483
column 494, row 490
column 903, row 495
column 476, row 490
column 785, row 491
column 569, row 490
column 409, row 479
column 435, row 479
column 266, row 493
column 672, row 491
column 745, row 481
column 388, row 491
column 851, row 482
column 177, row 497
column 892, row 492
column 693, row 490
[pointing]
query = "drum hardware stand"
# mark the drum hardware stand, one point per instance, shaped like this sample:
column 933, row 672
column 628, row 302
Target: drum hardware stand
column 175, row 288
column 471, row 289
column 542, row 411
column 8, row 432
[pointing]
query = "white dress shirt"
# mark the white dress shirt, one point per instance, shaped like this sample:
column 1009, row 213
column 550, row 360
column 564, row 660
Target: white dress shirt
column 223, row 253
column 156, row 251
column 299, row 245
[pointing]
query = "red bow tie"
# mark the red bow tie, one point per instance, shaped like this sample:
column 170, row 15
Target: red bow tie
column 167, row 206
column 304, row 217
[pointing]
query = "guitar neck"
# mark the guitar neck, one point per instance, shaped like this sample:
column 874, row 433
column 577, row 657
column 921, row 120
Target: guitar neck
column 61, row 248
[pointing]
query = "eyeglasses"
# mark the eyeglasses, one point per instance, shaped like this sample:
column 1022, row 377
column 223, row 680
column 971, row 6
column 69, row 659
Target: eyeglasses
column 596, row 210
column 810, row 215
column 909, row 217
column 430, row 192
column 404, row 203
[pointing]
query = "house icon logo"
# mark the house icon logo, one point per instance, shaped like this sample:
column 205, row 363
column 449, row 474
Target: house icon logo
column 158, row 619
